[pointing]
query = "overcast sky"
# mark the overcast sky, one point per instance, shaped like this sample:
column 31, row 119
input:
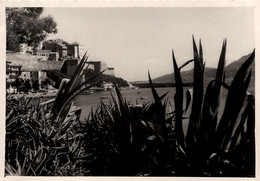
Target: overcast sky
column 135, row 40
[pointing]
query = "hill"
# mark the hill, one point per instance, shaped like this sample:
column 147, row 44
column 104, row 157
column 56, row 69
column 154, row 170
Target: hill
column 209, row 74
column 108, row 78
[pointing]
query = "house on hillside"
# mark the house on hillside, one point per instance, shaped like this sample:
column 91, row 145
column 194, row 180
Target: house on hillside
column 47, row 55
column 64, row 49
column 43, row 55
column 24, row 48
column 53, row 56
column 12, row 74
column 58, row 46
column 75, row 50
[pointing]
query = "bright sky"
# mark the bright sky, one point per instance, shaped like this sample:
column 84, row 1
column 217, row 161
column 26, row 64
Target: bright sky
column 135, row 40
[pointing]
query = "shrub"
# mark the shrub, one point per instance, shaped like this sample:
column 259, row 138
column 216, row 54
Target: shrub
column 150, row 140
column 122, row 140
column 41, row 140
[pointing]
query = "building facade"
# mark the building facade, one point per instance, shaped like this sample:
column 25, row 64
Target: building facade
column 43, row 55
column 13, row 72
column 24, row 48
column 58, row 46
column 64, row 49
column 99, row 66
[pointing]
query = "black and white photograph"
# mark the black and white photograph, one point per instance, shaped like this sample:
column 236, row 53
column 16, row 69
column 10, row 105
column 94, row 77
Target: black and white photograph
column 129, row 91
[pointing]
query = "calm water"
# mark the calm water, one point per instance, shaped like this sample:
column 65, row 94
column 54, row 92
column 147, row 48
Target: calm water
column 139, row 96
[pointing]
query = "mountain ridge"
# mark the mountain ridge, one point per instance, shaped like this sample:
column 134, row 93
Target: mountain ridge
column 209, row 73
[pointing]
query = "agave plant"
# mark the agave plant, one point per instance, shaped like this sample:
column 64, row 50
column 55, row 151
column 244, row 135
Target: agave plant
column 208, row 137
column 44, row 142
column 120, row 140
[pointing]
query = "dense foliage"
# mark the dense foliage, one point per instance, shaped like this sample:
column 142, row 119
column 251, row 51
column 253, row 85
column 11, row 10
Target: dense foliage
column 24, row 25
column 119, row 139
column 108, row 78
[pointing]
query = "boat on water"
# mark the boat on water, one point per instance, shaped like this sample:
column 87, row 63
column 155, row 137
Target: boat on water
column 104, row 97
column 88, row 92
column 99, row 89
column 143, row 97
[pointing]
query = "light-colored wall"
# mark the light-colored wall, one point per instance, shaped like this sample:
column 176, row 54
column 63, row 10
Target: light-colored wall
column 109, row 71
column 24, row 48
column 43, row 56
column 81, row 51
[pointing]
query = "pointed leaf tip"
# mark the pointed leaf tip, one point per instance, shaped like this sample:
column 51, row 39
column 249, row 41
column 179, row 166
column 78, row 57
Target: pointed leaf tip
column 155, row 95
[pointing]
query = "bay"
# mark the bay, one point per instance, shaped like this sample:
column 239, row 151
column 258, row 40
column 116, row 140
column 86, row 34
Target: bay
column 136, row 97
column 132, row 96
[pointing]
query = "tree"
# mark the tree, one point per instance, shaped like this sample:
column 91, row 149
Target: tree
column 24, row 25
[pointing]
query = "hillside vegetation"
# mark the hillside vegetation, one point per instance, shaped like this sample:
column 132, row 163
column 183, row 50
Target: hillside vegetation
column 107, row 78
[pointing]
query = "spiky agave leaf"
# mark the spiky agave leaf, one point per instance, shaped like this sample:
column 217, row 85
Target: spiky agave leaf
column 250, row 159
column 77, row 73
column 10, row 170
column 66, row 86
column 198, row 80
column 120, row 100
column 200, row 54
column 231, row 129
column 111, row 119
column 212, row 100
column 84, row 83
column 185, row 64
column 67, row 104
column 155, row 113
column 156, row 97
column 188, row 100
column 242, row 73
column 123, row 124
column 242, row 148
column 178, row 100
column 222, row 62
column 235, row 100
column 251, row 118
column 239, row 129
column 115, row 103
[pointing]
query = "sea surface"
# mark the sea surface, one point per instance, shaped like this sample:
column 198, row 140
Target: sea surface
column 137, row 97
column 133, row 96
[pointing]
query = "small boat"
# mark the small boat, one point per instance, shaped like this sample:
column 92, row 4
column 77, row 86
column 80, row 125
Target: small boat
column 99, row 89
column 143, row 97
column 88, row 92
column 104, row 97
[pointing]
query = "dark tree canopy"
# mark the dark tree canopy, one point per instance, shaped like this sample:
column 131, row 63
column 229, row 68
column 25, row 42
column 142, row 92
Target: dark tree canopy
column 24, row 25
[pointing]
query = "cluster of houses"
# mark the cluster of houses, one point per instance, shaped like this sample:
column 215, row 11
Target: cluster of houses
column 52, row 61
